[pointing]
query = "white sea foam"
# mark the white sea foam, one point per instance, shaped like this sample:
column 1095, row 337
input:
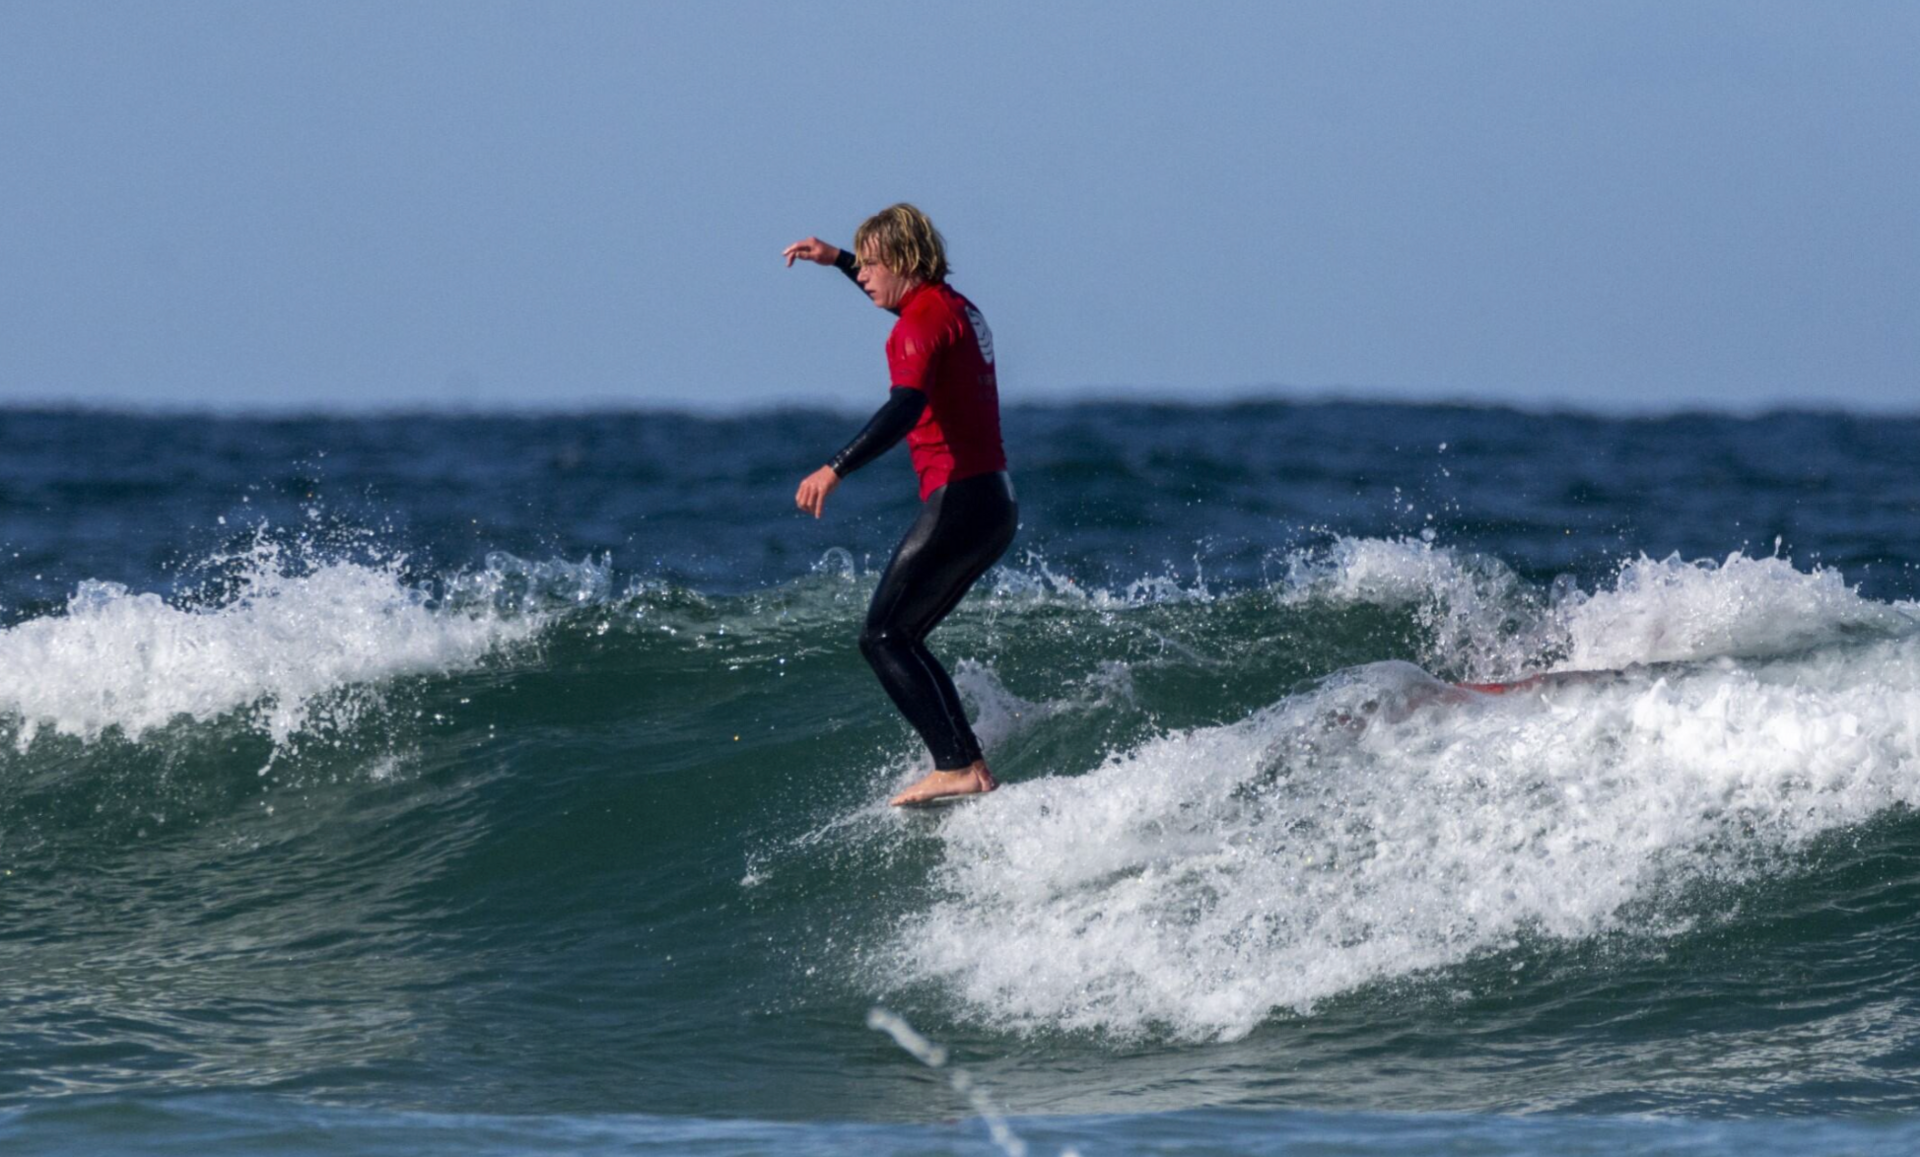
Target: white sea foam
column 1483, row 621
column 1662, row 610
column 998, row 714
column 1486, row 624
column 1037, row 581
column 1390, row 571
column 122, row 660
column 1385, row 823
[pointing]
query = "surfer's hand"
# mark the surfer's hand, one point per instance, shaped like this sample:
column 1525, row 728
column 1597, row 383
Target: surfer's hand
column 812, row 249
column 813, row 491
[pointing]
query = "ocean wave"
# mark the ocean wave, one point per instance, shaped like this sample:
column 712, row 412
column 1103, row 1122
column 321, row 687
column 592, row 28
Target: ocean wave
column 289, row 630
column 285, row 637
column 1664, row 610
column 1483, row 622
column 1385, row 823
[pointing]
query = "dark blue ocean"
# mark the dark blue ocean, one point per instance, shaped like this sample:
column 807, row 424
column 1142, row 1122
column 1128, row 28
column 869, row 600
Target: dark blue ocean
column 476, row 784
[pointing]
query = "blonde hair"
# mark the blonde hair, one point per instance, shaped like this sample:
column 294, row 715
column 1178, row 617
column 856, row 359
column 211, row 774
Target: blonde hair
column 905, row 242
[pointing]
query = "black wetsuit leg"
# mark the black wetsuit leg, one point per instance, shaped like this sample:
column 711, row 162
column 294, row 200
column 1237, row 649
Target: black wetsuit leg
column 962, row 530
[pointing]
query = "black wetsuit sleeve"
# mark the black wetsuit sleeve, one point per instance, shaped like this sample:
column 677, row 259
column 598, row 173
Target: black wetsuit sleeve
column 848, row 264
column 888, row 425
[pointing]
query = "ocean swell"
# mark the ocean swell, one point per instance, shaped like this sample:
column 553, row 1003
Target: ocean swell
column 1384, row 823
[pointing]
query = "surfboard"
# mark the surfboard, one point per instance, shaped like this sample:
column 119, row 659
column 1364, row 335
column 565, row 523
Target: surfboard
column 943, row 801
column 1540, row 682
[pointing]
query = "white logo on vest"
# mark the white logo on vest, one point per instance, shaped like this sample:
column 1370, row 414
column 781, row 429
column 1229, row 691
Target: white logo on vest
column 981, row 334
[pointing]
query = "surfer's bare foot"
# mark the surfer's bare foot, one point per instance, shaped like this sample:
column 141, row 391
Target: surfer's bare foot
column 974, row 780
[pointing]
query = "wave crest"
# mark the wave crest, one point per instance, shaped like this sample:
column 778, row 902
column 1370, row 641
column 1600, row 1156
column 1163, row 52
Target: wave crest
column 284, row 637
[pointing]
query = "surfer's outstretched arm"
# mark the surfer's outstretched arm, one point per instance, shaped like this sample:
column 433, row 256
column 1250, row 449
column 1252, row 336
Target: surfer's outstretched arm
column 824, row 253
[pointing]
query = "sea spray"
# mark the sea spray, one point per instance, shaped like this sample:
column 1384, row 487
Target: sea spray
column 934, row 1056
column 1476, row 618
column 289, row 640
column 1479, row 621
column 1662, row 610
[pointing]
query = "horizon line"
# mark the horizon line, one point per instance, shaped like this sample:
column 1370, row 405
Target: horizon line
column 600, row 405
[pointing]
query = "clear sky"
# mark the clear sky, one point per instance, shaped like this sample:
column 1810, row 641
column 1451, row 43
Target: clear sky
column 486, row 203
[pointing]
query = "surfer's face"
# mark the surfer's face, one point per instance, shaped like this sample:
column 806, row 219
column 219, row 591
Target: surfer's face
column 886, row 287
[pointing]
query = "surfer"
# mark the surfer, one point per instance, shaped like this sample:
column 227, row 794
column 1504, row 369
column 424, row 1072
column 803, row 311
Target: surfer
column 945, row 402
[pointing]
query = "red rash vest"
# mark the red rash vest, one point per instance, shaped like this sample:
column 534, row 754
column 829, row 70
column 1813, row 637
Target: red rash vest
column 942, row 347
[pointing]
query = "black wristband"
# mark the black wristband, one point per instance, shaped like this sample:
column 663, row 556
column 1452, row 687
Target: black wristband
column 848, row 264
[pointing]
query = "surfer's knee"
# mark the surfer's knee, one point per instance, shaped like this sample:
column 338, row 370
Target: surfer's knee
column 876, row 640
